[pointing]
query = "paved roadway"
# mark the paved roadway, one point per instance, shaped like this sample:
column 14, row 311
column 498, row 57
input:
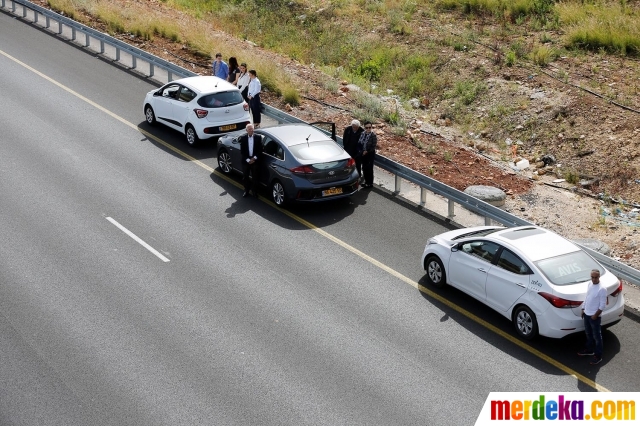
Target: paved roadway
column 245, row 314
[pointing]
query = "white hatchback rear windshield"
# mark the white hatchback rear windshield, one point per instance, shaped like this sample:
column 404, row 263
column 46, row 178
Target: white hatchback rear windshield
column 569, row 268
column 220, row 100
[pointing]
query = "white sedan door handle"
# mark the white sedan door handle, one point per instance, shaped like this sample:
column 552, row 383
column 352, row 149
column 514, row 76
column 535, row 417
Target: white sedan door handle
column 521, row 285
column 482, row 270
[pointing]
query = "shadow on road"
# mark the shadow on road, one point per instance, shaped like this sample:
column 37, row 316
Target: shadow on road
column 563, row 351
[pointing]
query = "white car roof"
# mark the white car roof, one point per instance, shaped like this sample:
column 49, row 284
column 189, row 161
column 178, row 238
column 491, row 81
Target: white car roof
column 206, row 84
column 534, row 242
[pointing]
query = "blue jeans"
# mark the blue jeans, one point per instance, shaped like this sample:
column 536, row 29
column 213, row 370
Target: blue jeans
column 594, row 334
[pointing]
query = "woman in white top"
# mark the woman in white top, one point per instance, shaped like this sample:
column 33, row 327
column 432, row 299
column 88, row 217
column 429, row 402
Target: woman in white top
column 243, row 81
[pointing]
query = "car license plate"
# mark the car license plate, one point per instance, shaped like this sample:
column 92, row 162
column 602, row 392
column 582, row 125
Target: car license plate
column 229, row 127
column 331, row 191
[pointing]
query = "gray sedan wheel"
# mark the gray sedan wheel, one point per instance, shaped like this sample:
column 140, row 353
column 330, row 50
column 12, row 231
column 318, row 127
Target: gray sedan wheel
column 525, row 322
column 277, row 193
column 150, row 115
column 224, row 161
column 192, row 136
column 435, row 271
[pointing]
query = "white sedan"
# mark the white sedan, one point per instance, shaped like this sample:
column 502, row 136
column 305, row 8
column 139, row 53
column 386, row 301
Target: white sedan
column 532, row 276
column 201, row 107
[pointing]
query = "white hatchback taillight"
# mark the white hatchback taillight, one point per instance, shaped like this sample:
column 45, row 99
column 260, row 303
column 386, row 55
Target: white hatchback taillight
column 245, row 106
column 201, row 113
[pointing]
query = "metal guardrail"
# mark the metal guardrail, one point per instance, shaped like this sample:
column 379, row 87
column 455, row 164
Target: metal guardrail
column 400, row 172
column 103, row 39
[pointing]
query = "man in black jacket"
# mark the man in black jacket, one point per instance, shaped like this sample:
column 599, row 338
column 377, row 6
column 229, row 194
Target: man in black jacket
column 251, row 151
column 350, row 140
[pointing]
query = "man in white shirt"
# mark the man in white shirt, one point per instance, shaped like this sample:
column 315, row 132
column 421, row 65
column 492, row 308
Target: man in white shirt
column 254, row 97
column 592, row 308
column 251, row 151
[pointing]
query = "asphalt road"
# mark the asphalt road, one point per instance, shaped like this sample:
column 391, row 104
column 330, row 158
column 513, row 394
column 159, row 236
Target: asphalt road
column 244, row 314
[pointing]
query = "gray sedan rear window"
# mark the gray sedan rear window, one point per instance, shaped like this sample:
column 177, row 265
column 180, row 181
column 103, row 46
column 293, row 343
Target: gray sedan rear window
column 569, row 268
column 316, row 151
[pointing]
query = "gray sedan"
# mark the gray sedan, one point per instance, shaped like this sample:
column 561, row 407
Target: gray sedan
column 299, row 163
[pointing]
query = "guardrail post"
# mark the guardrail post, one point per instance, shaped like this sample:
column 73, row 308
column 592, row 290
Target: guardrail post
column 398, row 184
column 73, row 33
column 451, row 213
column 87, row 42
column 35, row 16
column 59, row 27
column 101, row 46
column 117, row 54
column 13, row 7
column 423, row 196
column 487, row 221
column 48, row 22
column 151, row 70
column 170, row 75
column 24, row 11
column 134, row 62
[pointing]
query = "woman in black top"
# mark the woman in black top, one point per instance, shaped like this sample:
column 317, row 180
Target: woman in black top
column 234, row 70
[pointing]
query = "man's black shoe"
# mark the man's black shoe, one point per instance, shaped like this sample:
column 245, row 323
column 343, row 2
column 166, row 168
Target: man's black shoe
column 245, row 194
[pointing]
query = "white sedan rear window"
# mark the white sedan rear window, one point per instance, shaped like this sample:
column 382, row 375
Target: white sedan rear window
column 569, row 268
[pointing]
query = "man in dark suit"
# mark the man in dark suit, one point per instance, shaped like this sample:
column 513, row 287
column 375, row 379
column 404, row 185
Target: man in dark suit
column 251, row 151
column 350, row 140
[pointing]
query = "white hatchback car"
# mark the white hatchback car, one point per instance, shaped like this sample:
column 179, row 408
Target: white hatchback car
column 201, row 107
column 532, row 276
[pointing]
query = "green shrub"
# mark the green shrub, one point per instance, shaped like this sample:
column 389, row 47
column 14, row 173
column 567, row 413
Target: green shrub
column 571, row 176
column 371, row 70
column 543, row 55
column 393, row 118
column 291, row 96
column 68, row 7
column 545, row 38
column 519, row 49
column 601, row 27
column 466, row 91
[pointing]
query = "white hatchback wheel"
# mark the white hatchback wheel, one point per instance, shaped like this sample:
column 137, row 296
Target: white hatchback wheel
column 192, row 136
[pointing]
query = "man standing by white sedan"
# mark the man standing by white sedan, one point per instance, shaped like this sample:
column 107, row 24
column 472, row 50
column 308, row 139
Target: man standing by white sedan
column 592, row 308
